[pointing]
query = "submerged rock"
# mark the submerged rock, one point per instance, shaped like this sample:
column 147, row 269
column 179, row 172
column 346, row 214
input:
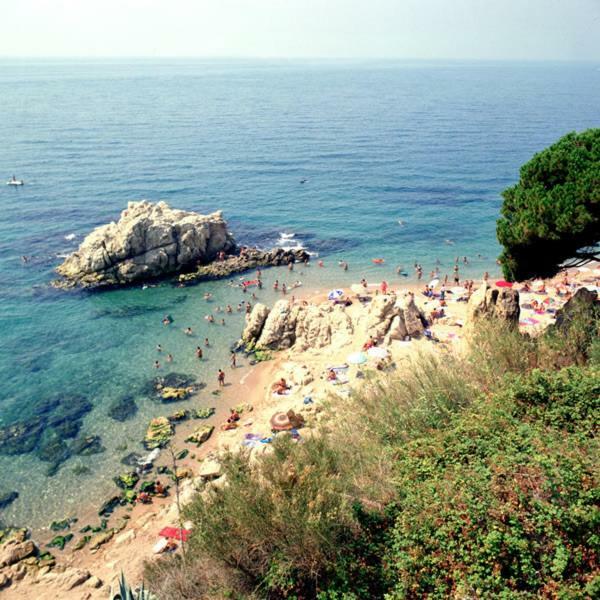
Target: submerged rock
column 54, row 450
column 20, row 438
column 7, row 498
column 123, row 408
column 86, row 445
column 131, row 460
column 148, row 241
column 57, row 419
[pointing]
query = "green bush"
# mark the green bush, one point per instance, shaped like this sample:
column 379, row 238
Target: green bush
column 504, row 502
column 288, row 524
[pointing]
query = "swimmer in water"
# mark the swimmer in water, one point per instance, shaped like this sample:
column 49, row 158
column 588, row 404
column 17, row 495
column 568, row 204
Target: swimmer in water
column 188, row 331
column 199, row 352
column 169, row 358
column 158, row 348
column 156, row 364
column 228, row 309
column 206, row 342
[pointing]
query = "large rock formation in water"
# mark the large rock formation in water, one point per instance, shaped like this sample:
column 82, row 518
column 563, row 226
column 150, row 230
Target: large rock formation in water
column 304, row 326
column 148, row 241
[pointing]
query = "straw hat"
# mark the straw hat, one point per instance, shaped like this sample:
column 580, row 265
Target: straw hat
column 280, row 422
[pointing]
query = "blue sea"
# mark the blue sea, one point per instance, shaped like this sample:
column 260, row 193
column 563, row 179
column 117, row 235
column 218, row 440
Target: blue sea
column 429, row 144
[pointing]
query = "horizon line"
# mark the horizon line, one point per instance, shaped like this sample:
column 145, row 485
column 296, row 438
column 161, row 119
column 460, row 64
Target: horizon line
column 292, row 58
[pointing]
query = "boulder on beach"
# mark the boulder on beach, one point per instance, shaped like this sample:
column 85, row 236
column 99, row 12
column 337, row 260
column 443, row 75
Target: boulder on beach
column 158, row 434
column 14, row 551
column 200, row 434
column 148, row 241
column 497, row 303
column 583, row 304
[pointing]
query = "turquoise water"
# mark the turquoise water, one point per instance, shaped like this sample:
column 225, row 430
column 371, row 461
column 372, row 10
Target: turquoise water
column 430, row 144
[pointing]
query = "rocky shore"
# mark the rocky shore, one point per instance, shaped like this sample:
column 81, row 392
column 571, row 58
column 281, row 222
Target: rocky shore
column 246, row 260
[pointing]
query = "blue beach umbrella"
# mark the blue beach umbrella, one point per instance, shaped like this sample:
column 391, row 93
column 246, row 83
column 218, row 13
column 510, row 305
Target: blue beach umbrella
column 335, row 294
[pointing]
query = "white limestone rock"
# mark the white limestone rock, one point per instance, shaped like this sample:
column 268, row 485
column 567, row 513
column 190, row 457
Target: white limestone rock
column 148, row 241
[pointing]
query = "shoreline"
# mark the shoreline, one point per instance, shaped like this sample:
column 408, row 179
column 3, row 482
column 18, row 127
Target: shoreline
column 251, row 386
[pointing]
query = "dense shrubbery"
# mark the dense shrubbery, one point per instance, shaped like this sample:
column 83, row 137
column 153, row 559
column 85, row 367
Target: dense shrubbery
column 471, row 477
column 504, row 499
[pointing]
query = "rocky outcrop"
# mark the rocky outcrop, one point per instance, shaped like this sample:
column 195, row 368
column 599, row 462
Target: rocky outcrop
column 279, row 330
column 302, row 327
column 319, row 326
column 255, row 322
column 248, row 258
column 584, row 304
column 14, row 551
column 488, row 302
column 148, row 241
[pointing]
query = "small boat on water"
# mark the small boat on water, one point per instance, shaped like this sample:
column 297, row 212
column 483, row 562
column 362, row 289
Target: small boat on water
column 14, row 181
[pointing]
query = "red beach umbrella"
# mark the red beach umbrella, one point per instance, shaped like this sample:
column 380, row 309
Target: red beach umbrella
column 175, row 533
column 502, row 283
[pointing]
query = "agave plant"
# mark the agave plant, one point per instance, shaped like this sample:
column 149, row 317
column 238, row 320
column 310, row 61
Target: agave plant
column 127, row 593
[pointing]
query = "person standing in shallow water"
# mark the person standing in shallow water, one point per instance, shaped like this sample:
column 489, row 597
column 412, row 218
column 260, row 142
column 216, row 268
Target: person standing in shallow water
column 232, row 360
column 221, row 378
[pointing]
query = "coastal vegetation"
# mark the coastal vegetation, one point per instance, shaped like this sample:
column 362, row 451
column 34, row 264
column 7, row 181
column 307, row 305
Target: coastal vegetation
column 553, row 213
column 469, row 475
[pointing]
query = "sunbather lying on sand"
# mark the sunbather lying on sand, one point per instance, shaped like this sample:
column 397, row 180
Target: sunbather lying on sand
column 281, row 386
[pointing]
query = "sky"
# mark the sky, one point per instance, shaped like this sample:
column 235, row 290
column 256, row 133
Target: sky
column 394, row 29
